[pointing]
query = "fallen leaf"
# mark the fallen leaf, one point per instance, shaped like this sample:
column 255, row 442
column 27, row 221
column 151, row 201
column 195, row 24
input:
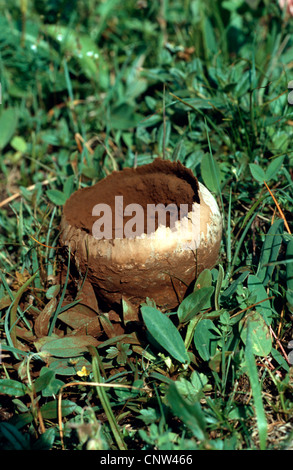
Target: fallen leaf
column 87, row 296
column 130, row 313
column 43, row 320
column 21, row 279
column 111, row 328
column 82, row 319
column 25, row 334
column 5, row 301
column 69, row 346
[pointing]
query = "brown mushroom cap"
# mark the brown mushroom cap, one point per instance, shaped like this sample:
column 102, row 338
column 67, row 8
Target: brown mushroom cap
column 160, row 265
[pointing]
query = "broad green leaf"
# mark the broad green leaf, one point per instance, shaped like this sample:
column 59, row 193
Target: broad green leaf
column 274, row 167
column 80, row 46
column 56, row 196
column 126, row 394
column 241, row 412
column 46, row 375
column 260, row 338
column 46, row 383
column 203, row 103
column 46, row 440
column 191, row 414
column 279, row 358
column 17, row 439
column 257, row 288
column 8, row 125
column 192, row 390
column 50, row 410
column 270, row 251
column 53, row 388
column 19, row 144
column 68, row 186
column 210, row 173
column 69, row 346
column 65, row 367
column 233, row 287
column 204, row 279
column 210, row 42
column 104, row 10
column 257, row 172
column 165, row 333
column 123, row 117
column 12, row 387
column 148, row 415
column 206, row 336
column 194, row 303
column 195, row 320
column 252, row 373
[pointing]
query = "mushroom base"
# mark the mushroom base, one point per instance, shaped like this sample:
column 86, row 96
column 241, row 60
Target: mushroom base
column 165, row 276
column 162, row 266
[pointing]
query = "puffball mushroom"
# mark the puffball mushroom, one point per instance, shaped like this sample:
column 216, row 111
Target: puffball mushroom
column 143, row 232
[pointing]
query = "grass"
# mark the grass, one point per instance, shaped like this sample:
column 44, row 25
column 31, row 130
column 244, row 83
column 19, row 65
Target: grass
column 106, row 85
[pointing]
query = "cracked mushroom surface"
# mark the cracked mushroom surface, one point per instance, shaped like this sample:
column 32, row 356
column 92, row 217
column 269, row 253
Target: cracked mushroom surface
column 141, row 256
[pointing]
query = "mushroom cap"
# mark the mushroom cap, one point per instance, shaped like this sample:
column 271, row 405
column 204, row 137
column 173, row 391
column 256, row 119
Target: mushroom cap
column 160, row 265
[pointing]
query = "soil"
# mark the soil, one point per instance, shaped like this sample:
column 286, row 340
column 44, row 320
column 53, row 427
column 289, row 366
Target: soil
column 162, row 182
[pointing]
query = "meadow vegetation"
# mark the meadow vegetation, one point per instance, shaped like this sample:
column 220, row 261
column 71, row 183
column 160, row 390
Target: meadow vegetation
column 92, row 87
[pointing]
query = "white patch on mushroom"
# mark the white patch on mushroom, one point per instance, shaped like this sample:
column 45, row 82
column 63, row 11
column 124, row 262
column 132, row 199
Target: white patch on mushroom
column 209, row 199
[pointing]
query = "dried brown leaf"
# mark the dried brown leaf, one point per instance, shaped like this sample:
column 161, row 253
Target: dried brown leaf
column 43, row 320
column 88, row 297
column 81, row 319
column 130, row 312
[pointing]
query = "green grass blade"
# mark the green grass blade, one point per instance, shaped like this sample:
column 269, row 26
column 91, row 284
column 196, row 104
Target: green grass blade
column 191, row 415
column 256, row 390
column 18, row 440
column 236, row 252
column 270, row 251
column 58, row 309
column 220, row 280
column 104, row 399
column 228, row 239
column 11, row 315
